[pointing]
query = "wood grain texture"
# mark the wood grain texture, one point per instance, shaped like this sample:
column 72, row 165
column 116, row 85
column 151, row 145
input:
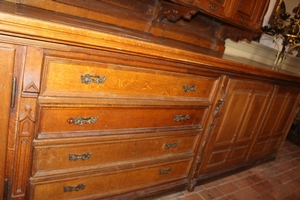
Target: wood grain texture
column 7, row 57
column 163, row 86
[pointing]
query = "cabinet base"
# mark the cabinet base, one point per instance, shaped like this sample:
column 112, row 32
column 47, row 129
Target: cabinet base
column 215, row 175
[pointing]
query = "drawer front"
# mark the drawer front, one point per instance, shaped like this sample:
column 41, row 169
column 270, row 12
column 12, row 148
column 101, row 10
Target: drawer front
column 67, row 77
column 53, row 158
column 105, row 184
column 57, row 121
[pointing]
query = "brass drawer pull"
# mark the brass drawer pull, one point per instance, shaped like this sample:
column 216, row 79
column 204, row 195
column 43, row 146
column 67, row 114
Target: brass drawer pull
column 77, row 188
column 165, row 171
column 87, row 79
column 85, row 156
column 213, row 7
column 172, row 145
column 243, row 20
column 191, row 88
column 81, row 120
column 178, row 118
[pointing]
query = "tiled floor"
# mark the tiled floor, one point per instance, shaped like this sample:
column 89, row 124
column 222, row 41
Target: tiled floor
column 279, row 179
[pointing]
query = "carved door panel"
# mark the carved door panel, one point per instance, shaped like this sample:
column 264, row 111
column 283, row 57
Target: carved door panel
column 237, row 124
column 215, row 7
column 248, row 13
column 7, row 57
column 277, row 122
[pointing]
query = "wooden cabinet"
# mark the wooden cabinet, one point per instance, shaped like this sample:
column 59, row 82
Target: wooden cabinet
column 102, row 112
column 238, row 118
column 246, row 14
column 282, row 108
column 218, row 8
column 101, row 118
column 249, row 14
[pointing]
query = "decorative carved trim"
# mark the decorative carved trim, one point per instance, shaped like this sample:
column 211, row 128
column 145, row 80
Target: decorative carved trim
column 31, row 88
column 26, row 121
column 173, row 13
column 235, row 34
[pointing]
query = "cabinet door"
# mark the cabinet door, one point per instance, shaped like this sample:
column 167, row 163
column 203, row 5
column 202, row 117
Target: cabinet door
column 249, row 13
column 6, row 71
column 239, row 120
column 215, row 7
column 277, row 122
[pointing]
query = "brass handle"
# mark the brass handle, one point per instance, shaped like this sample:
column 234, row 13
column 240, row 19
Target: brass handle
column 85, row 156
column 13, row 92
column 165, row 171
column 172, row 145
column 178, row 118
column 191, row 88
column 81, row 120
column 87, row 79
column 213, row 7
column 77, row 188
column 243, row 20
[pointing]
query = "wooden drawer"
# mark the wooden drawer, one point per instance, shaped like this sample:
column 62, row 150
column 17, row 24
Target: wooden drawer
column 100, row 185
column 72, row 121
column 55, row 159
column 70, row 77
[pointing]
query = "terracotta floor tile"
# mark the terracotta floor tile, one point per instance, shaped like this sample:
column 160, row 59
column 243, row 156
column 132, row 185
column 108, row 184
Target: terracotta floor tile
column 285, row 177
column 227, row 197
column 190, row 197
column 262, row 187
column 264, row 196
column 211, row 193
column 243, row 182
column 171, row 196
column 228, row 188
column 212, row 184
column 274, row 181
column 228, row 179
column 288, row 187
column 256, row 178
column 269, row 173
column 295, row 195
column 287, row 198
column 277, row 193
column 246, row 193
column 243, row 174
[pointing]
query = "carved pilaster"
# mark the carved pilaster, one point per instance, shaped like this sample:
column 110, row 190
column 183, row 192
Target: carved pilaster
column 192, row 185
column 26, row 123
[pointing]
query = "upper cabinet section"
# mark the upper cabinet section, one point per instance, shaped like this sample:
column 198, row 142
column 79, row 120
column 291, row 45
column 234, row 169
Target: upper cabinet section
column 204, row 23
column 218, row 8
column 247, row 14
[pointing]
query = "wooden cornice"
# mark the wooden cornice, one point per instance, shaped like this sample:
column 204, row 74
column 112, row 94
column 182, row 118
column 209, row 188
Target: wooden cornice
column 25, row 23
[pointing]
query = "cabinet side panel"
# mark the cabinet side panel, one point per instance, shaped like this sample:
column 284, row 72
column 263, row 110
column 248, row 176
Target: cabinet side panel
column 6, row 70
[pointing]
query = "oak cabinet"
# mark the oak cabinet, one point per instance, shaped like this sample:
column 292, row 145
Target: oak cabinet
column 242, row 13
column 283, row 107
column 98, row 112
column 237, row 120
column 248, row 14
column 214, row 7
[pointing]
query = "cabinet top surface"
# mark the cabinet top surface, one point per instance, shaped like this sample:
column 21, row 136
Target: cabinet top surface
column 36, row 24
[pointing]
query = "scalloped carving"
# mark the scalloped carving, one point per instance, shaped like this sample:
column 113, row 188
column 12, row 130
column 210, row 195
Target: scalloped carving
column 173, row 13
column 236, row 34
